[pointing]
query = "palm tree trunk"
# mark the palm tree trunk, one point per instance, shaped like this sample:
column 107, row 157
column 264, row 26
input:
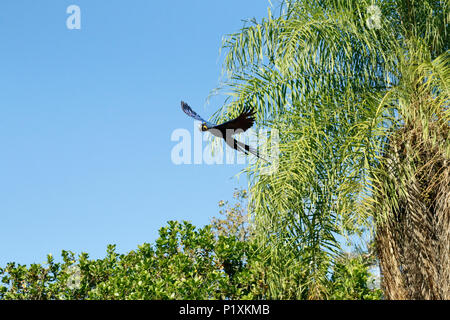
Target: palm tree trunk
column 413, row 242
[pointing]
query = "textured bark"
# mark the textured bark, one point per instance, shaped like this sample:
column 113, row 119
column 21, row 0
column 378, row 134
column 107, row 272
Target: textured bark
column 412, row 235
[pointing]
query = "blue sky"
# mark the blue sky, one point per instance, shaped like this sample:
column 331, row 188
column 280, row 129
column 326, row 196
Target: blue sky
column 86, row 118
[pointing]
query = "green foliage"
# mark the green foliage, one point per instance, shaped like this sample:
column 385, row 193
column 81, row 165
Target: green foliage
column 217, row 261
column 337, row 83
column 351, row 280
column 185, row 263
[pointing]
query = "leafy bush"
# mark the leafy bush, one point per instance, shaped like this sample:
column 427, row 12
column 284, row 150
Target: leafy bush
column 184, row 263
column 217, row 261
column 351, row 280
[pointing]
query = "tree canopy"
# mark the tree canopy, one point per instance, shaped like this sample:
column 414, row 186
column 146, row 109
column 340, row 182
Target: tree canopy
column 344, row 82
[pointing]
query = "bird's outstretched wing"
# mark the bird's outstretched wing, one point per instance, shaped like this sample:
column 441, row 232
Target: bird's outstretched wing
column 243, row 122
column 191, row 113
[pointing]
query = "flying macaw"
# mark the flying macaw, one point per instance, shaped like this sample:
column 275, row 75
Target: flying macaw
column 227, row 129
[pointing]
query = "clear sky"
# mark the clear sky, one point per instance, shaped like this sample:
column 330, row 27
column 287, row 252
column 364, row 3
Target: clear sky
column 86, row 118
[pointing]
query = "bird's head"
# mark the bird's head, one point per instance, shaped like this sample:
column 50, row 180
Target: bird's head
column 203, row 127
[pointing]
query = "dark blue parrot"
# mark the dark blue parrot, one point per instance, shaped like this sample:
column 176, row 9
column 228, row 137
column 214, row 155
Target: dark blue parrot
column 227, row 129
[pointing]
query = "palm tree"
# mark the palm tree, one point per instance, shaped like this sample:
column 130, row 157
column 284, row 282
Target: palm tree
column 358, row 92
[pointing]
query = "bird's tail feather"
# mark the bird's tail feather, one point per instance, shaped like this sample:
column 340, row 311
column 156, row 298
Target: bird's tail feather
column 246, row 149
